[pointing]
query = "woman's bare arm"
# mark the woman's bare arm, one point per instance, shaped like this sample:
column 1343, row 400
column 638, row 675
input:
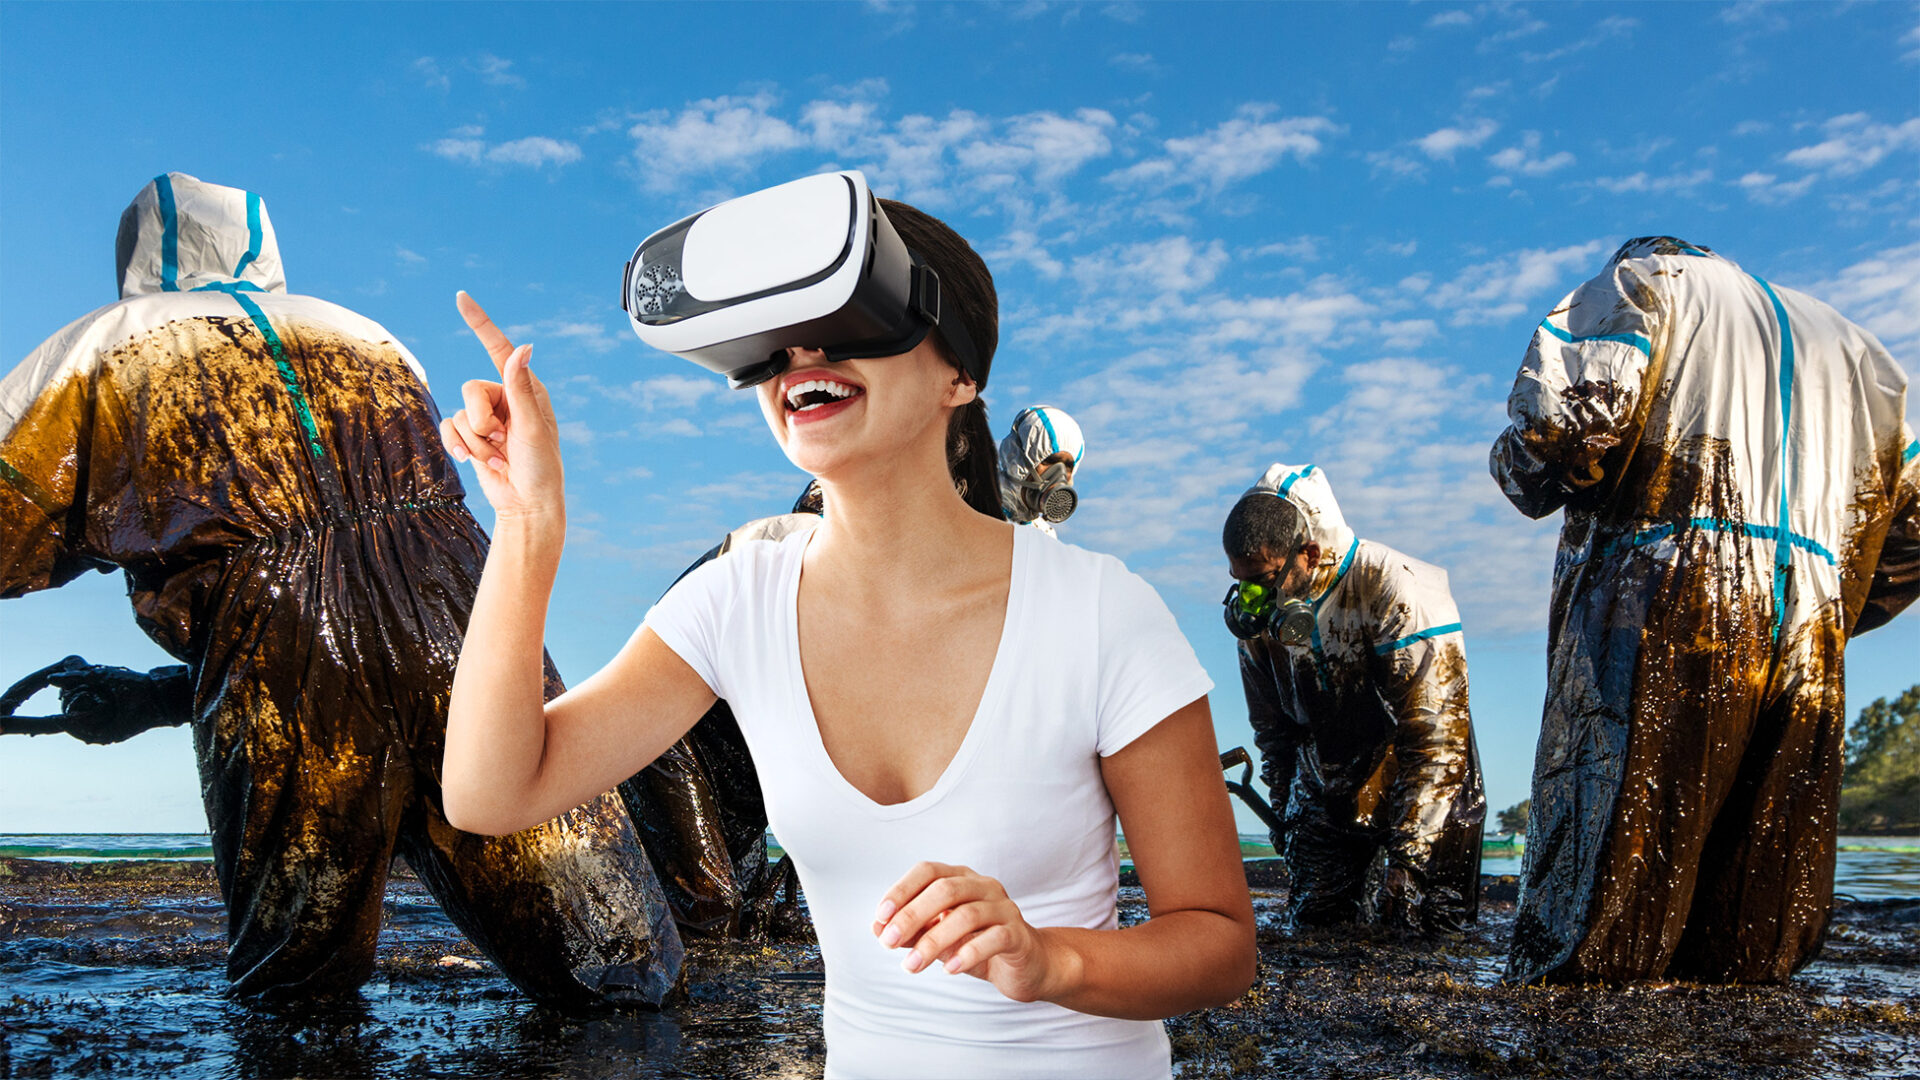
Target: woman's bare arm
column 511, row 761
column 1197, row 946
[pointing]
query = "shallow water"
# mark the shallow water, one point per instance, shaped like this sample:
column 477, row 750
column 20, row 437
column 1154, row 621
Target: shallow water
column 1865, row 867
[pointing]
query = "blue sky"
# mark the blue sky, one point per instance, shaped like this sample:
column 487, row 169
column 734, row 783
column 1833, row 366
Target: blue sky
column 1224, row 236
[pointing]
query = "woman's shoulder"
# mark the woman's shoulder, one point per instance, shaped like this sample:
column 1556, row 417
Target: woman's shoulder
column 1081, row 573
column 744, row 563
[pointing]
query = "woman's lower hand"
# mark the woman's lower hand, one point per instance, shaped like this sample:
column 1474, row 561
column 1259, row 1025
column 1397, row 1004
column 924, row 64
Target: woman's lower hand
column 508, row 429
column 965, row 922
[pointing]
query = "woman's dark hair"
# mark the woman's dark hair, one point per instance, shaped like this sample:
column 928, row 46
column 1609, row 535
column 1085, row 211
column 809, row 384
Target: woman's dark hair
column 966, row 289
column 1262, row 525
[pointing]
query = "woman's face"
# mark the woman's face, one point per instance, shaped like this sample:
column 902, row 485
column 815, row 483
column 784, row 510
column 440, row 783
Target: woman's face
column 827, row 416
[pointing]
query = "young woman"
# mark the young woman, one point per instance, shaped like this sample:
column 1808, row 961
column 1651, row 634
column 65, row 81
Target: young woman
column 946, row 713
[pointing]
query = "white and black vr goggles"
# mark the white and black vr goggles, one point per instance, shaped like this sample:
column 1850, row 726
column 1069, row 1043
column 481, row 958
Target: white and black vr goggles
column 811, row 264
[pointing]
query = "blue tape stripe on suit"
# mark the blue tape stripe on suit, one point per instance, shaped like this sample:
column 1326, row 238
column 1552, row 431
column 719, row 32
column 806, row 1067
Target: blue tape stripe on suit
column 289, row 378
column 253, row 234
column 169, row 235
column 1411, row 638
column 1634, row 340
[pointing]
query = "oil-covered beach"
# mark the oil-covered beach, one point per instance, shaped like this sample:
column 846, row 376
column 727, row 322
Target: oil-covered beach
column 113, row 967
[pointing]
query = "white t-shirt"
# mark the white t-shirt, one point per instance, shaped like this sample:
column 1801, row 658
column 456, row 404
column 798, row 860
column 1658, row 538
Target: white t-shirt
column 1089, row 659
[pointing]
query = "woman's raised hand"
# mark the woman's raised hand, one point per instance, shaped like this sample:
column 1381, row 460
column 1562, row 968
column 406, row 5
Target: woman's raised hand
column 508, row 428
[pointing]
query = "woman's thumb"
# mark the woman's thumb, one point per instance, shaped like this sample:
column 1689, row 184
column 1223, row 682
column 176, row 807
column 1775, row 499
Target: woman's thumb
column 518, row 374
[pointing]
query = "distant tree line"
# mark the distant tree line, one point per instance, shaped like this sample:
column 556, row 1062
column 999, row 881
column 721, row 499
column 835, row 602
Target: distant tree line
column 1880, row 790
column 1514, row 818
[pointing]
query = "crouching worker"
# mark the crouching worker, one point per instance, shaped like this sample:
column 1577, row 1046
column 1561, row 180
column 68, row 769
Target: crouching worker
column 266, row 469
column 1355, row 672
column 1741, row 496
column 699, row 807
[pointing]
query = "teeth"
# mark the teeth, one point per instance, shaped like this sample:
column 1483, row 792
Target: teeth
column 799, row 390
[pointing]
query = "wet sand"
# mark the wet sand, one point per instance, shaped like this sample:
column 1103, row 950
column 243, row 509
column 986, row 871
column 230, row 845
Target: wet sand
column 116, row 969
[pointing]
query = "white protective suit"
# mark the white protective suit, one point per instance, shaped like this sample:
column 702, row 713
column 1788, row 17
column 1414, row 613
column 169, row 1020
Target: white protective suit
column 1038, row 433
column 267, row 470
column 1740, row 491
column 1365, row 737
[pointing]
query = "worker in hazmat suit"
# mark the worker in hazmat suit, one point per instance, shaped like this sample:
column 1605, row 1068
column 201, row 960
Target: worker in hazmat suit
column 266, row 468
column 1740, row 490
column 1038, row 459
column 699, row 808
column 1355, row 671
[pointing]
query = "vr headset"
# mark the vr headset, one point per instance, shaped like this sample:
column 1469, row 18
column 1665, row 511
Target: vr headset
column 811, row 264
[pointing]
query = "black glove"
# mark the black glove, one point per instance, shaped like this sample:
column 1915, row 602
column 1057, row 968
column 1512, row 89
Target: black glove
column 102, row 705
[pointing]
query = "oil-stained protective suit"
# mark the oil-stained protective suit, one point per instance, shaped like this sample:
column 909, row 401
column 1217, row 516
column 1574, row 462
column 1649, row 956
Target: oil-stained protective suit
column 698, row 806
column 1740, row 491
column 1364, row 733
column 266, row 468
column 1038, row 433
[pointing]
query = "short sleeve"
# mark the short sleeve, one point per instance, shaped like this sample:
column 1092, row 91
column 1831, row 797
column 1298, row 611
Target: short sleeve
column 1147, row 669
column 691, row 617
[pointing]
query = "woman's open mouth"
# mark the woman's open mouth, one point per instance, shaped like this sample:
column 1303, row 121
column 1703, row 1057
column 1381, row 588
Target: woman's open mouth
column 810, row 400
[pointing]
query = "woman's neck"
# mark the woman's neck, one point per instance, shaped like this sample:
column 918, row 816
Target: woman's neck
column 901, row 522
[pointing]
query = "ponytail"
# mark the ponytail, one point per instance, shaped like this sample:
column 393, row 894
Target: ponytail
column 973, row 459
column 966, row 293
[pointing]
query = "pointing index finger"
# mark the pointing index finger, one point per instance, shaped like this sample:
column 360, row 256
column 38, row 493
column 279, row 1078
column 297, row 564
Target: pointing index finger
column 498, row 347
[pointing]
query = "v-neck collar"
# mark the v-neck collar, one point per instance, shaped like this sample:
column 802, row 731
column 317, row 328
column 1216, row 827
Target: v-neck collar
column 985, row 713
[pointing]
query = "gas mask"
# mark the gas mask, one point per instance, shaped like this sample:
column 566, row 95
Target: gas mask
column 1050, row 495
column 1253, row 609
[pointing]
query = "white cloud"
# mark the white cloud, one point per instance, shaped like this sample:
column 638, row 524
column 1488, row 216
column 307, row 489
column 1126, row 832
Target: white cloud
column 496, row 72
column 1513, row 286
column 1300, row 249
column 1524, row 25
column 1613, row 26
column 1911, row 39
column 1047, row 145
column 1406, row 333
column 1882, row 293
column 1245, row 146
column 1024, row 246
column 1450, row 18
column 428, row 69
column 1393, row 163
column 1173, row 264
column 1751, row 127
column 1769, row 189
column 1855, row 144
column 1641, row 182
column 1763, row 14
column 578, row 433
column 535, row 151
column 678, row 427
column 409, row 258
column 562, row 334
column 1442, row 144
column 1527, row 160
column 1132, row 61
column 712, row 135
